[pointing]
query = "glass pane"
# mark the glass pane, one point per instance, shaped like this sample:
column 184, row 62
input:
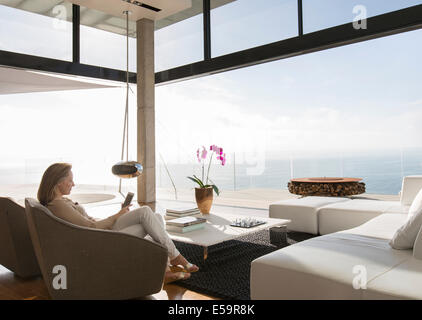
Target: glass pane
column 179, row 38
column 106, row 48
column 244, row 24
column 35, row 34
column 352, row 111
column 65, row 127
column 322, row 14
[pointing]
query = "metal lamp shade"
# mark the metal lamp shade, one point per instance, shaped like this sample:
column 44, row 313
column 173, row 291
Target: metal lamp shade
column 127, row 169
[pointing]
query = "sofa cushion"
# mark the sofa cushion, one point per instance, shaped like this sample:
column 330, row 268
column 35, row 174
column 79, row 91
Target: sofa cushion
column 410, row 187
column 346, row 215
column 416, row 205
column 302, row 212
column 322, row 267
column 406, row 235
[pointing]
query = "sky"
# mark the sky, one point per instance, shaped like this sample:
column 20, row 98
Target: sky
column 359, row 97
column 356, row 98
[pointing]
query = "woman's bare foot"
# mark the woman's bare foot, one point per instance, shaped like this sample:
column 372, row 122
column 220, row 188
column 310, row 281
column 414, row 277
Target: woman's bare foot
column 185, row 265
column 175, row 276
column 190, row 268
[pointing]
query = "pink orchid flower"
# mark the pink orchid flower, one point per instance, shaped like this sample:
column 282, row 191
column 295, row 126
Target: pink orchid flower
column 223, row 159
column 204, row 153
column 217, row 150
column 197, row 155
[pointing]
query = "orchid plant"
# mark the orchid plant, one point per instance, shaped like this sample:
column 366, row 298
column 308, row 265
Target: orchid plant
column 201, row 155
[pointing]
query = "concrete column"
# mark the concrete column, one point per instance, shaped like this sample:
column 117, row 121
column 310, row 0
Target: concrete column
column 146, row 110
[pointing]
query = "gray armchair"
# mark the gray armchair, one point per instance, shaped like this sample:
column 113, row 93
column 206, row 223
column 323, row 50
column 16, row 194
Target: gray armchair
column 16, row 250
column 99, row 264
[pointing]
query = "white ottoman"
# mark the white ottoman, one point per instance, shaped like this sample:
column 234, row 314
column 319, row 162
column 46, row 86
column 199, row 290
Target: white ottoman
column 346, row 215
column 302, row 212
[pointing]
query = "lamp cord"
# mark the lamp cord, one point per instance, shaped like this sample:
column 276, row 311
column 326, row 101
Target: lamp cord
column 127, row 85
column 126, row 117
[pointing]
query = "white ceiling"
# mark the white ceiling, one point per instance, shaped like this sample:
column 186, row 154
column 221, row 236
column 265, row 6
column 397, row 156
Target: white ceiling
column 23, row 81
column 197, row 8
column 116, row 7
column 98, row 18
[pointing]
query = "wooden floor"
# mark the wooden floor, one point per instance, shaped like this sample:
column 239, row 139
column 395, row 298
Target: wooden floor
column 15, row 288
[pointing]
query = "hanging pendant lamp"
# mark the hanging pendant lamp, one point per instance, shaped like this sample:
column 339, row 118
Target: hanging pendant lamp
column 126, row 169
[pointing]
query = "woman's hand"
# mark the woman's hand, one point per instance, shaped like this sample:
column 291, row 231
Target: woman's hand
column 124, row 210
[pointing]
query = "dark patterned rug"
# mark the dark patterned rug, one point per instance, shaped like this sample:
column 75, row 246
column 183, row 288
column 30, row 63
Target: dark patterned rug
column 225, row 274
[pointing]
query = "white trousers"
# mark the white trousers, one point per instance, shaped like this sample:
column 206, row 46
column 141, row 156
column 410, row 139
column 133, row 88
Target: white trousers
column 144, row 223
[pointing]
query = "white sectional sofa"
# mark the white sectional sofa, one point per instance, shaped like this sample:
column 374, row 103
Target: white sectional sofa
column 351, row 260
column 324, row 215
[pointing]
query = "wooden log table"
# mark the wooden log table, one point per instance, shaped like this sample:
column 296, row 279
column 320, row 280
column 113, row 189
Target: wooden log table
column 328, row 187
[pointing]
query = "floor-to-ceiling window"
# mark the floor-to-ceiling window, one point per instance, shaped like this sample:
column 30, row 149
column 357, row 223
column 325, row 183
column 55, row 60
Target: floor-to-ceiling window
column 352, row 111
column 83, row 127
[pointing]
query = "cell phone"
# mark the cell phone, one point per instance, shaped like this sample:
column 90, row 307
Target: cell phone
column 128, row 199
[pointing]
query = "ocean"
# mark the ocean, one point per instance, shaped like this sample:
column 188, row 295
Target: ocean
column 381, row 172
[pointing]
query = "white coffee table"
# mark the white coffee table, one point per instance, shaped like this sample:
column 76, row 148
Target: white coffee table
column 218, row 229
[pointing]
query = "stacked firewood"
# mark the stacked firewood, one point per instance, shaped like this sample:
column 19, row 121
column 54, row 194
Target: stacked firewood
column 340, row 189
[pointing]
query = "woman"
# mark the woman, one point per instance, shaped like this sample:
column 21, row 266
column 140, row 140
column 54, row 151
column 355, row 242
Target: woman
column 57, row 182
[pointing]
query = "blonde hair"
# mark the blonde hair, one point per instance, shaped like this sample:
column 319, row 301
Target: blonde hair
column 51, row 177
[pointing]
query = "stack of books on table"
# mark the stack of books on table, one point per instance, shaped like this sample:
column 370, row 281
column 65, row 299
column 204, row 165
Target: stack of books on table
column 185, row 224
column 182, row 211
